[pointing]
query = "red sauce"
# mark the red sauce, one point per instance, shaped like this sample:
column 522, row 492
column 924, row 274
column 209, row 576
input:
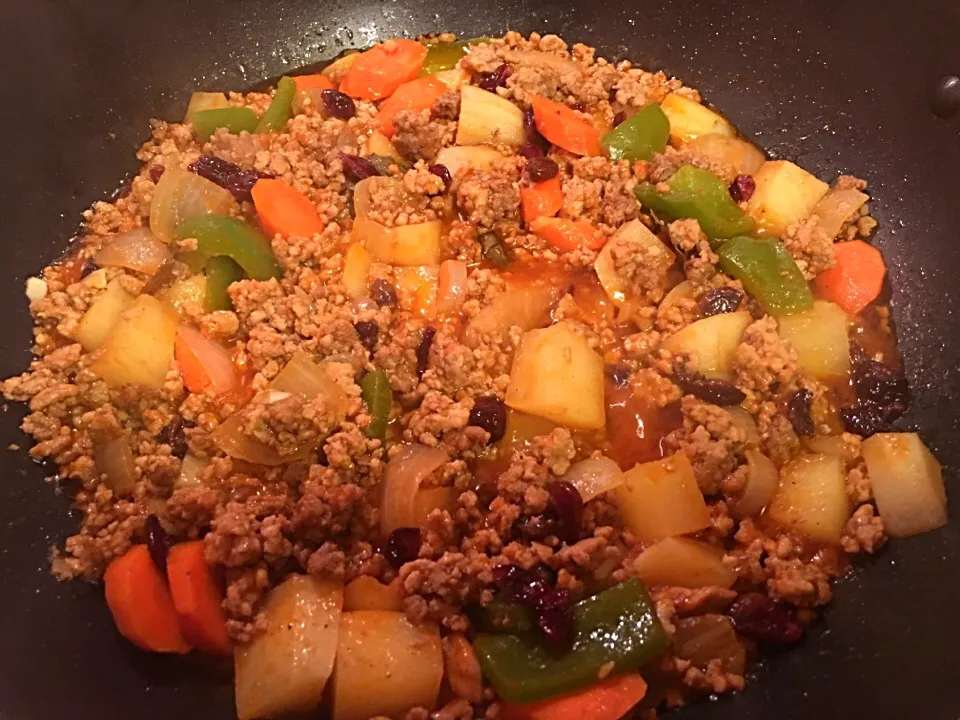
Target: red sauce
column 636, row 428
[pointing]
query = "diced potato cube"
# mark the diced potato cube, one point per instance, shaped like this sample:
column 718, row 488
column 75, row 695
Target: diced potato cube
column 661, row 499
column 139, row 349
column 637, row 238
column 385, row 665
column 712, row 341
column 558, row 376
column 184, row 293
column 742, row 156
column 102, row 315
column 487, row 118
column 907, row 483
column 838, row 206
column 285, row 668
column 812, row 498
column 785, row 194
column 689, row 120
column 683, row 562
column 458, row 159
column 430, row 499
column 819, row 335
column 453, row 79
column 205, row 101
column 379, row 144
column 356, row 268
column 417, row 244
column 368, row 593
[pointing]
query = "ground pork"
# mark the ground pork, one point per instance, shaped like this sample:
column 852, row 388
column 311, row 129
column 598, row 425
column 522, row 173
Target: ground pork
column 420, row 137
column 491, row 198
column 710, row 439
column 810, row 247
column 764, row 363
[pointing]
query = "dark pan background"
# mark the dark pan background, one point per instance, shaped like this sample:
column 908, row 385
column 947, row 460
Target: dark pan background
column 835, row 85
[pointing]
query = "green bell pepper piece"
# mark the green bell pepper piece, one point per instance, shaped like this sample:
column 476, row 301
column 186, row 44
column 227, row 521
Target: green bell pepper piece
column 224, row 235
column 234, row 119
column 280, row 109
column 501, row 616
column 638, row 137
column 377, row 395
column 768, row 272
column 616, row 626
column 443, row 56
column 221, row 273
column 699, row 194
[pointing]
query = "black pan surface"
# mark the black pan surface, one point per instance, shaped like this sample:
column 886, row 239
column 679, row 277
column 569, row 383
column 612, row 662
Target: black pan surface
column 836, row 86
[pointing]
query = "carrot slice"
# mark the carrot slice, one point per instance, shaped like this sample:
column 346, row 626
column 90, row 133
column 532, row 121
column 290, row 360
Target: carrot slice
column 203, row 363
column 609, row 700
column 566, row 234
column 197, row 598
column 543, row 199
column 140, row 603
column 565, row 128
column 311, row 82
column 416, row 95
column 856, row 279
column 379, row 71
column 285, row 211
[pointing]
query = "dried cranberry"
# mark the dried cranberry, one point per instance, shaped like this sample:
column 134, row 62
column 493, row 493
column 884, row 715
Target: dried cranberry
column 521, row 586
column 538, row 527
column 441, row 172
column 619, row 375
column 423, row 350
column 173, row 435
column 568, row 505
column 337, row 104
column 537, row 143
column 383, row 293
column 758, row 617
column 557, row 629
column 719, row 300
column 540, row 169
column 357, row 168
column 322, row 458
column 156, row 172
column 619, row 118
column 742, row 188
column 490, row 414
column 368, row 332
column 711, row 390
column 227, row 175
column 403, row 546
column 158, row 542
column 530, row 150
column 497, row 78
column 798, row 411
column 89, row 266
column 865, row 418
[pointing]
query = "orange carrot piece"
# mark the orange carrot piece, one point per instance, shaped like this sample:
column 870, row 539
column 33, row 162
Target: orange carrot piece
column 609, row 700
column 379, row 71
column 140, row 603
column 451, row 285
column 543, row 199
column 313, row 82
column 565, row 128
column 285, row 211
column 416, row 95
column 197, row 598
column 203, row 363
column 856, row 279
column 566, row 234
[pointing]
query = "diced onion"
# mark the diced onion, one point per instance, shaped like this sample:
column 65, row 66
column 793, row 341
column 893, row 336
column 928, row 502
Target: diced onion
column 744, row 158
column 762, row 482
column 417, row 244
column 194, row 350
column 594, row 476
column 708, row 637
column 843, row 446
column 526, row 306
column 452, row 287
column 302, row 376
column 181, row 195
column 405, row 471
column 458, row 159
column 836, row 207
column 114, row 459
column 744, row 420
column 135, row 250
column 190, row 469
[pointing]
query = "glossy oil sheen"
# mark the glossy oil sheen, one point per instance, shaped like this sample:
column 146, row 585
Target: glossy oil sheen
column 835, row 86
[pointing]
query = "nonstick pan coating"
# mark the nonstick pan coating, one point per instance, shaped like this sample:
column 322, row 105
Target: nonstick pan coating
column 836, row 86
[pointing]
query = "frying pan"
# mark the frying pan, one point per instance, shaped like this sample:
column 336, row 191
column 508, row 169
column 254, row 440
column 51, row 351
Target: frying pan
column 835, row 86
